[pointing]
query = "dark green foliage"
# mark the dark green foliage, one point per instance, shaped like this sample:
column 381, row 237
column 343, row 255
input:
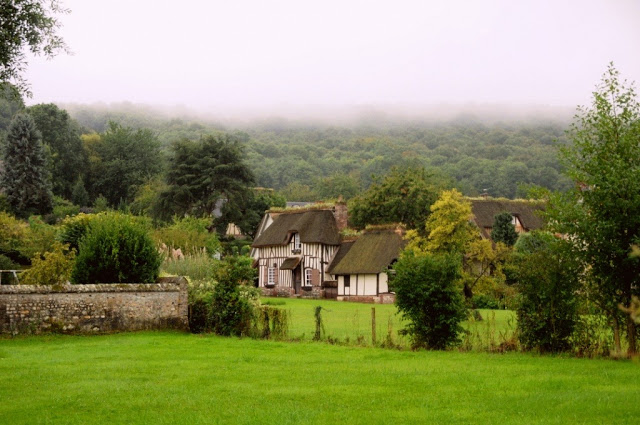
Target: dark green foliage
column 73, row 229
column 503, row 229
column 548, row 280
column 428, row 298
column 233, row 298
column 117, row 248
column 27, row 25
column 485, row 302
column 62, row 136
column 7, row 264
column 404, row 196
column 129, row 158
column 10, row 104
column 248, row 215
column 79, row 194
column 199, row 313
column 202, row 173
column 25, row 179
column 337, row 185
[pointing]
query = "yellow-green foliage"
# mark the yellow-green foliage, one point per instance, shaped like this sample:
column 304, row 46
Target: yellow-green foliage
column 74, row 228
column 26, row 239
column 190, row 235
column 53, row 268
column 12, row 232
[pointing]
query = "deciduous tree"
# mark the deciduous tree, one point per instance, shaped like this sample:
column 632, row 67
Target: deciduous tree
column 600, row 215
column 202, row 173
column 27, row 25
column 404, row 196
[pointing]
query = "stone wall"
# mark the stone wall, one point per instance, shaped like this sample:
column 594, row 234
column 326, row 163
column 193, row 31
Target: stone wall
column 94, row 308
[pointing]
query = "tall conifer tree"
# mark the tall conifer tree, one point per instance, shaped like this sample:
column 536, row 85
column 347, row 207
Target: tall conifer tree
column 25, row 178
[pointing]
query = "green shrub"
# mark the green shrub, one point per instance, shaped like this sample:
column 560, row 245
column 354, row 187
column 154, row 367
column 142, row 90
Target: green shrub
column 429, row 299
column 547, row 279
column 61, row 209
column 117, row 248
column 13, row 232
column 40, row 237
column 73, row 229
column 485, row 302
column 592, row 336
column 234, row 298
column 53, row 268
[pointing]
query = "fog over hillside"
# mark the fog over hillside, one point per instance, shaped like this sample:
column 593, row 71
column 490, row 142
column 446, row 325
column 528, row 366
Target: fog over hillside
column 375, row 115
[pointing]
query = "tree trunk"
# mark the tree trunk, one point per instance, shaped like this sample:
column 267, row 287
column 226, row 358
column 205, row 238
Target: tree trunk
column 616, row 334
column 631, row 336
column 468, row 293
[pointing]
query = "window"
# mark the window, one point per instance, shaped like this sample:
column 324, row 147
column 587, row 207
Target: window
column 271, row 276
column 297, row 246
column 307, row 277
column 347, row 281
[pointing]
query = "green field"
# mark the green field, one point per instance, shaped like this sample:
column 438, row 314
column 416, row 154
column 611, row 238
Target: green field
column 168, row 378
column 351, row 322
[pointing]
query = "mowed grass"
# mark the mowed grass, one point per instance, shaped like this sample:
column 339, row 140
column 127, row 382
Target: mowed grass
column 351, row 322
column 177, row 378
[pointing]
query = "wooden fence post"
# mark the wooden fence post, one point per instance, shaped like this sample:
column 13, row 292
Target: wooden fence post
column 373, row 326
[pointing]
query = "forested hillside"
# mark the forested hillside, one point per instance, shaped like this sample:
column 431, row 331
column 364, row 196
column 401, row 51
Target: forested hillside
column 313, row 161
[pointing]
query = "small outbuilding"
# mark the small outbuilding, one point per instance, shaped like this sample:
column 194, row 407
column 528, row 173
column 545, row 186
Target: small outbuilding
column 360, row 266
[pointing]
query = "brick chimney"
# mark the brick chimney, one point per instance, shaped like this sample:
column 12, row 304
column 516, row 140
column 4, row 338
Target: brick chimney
column 340, row 213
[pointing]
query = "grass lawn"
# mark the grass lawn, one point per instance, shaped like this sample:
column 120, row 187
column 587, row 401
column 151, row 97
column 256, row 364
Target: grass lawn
column 350, row 320
column 168, row 378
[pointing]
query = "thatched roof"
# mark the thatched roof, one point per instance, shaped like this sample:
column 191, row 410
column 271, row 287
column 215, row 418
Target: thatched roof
column 314, row 226
column 484, row 211
column 372, row 252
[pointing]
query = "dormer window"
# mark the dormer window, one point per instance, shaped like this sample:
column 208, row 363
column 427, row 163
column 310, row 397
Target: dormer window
column 297, row 246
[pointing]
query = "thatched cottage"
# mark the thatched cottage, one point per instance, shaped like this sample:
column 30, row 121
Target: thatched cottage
column 525, row 214
column 293, row 248
column 360, row 265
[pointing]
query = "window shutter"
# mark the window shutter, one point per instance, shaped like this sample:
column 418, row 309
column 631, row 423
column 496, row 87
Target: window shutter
column 276, row 274
column 315, row 277
column 265, row 276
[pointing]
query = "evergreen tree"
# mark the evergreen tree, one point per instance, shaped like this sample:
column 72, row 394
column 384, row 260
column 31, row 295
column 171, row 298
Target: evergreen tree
column 25, row 179
column 61, row 134
column 503, row 229
column 79, row 195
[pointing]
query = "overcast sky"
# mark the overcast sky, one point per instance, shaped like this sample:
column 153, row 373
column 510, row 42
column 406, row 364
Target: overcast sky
column 264, row 53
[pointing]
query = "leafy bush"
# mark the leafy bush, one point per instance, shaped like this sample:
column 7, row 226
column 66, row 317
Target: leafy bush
column 13, row 232
column 191, row 235
column 234, row 298
column 117, row 248
column 74, row 228
column 40, row 237
column 548, row 280
column 428, row 297
column 61, row 209
column 592, row 336
column 485, row 302
column 53, row 268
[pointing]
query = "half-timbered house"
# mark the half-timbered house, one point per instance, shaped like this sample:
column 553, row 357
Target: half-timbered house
column 360, row 266
column 293, row 249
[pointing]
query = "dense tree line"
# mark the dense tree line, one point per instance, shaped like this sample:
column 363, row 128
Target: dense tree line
column 308, row 162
